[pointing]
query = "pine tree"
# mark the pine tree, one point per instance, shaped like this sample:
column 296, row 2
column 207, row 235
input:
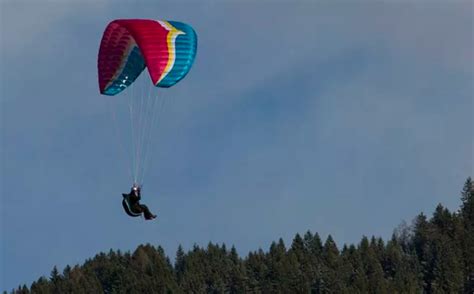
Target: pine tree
column 467, row 220
column 179, row 265
column 238, row 278
column 447, row 265
column 330, row 281
column 67, row 272
column 447, row 269
column 56, row 280
column 372, row 266
column 302, row 271
column 41, row 286
column 352, row 270
column 400, row 269
column 257, row 271
column 277, row 280
column 423, row 249
column 314, row 247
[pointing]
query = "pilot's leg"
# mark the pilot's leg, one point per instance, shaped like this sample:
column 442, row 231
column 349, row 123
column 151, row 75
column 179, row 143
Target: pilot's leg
column 147, row 212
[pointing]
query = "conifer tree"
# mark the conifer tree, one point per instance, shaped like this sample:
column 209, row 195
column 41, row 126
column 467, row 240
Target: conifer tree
column 467, row 220
column 447, row 265
column 330, row 281
column 300, row 259
column 179, row 265
column 354, row 271
column 314, row 247
column 41, row 286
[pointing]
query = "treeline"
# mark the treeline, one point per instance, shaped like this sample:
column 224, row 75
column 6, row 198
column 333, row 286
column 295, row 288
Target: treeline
column 434, row 255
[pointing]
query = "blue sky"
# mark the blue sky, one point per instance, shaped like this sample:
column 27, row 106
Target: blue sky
column 329, row 116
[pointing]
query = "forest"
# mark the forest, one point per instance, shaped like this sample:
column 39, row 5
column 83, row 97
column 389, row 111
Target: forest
column 434, row 254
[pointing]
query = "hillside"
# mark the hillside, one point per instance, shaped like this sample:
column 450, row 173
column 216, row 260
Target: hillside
column 433, row 255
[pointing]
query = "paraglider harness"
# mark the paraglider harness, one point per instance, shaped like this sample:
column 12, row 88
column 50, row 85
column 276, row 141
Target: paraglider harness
column 126, row 202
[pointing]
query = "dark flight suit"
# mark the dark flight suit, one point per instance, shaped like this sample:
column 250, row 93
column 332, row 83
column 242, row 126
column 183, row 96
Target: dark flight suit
column 137, row 207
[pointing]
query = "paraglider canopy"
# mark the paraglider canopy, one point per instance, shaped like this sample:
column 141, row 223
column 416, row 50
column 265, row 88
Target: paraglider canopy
column 166, row 48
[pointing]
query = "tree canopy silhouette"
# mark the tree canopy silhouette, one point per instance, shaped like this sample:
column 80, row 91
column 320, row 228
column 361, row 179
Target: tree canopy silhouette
column 434, row 255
